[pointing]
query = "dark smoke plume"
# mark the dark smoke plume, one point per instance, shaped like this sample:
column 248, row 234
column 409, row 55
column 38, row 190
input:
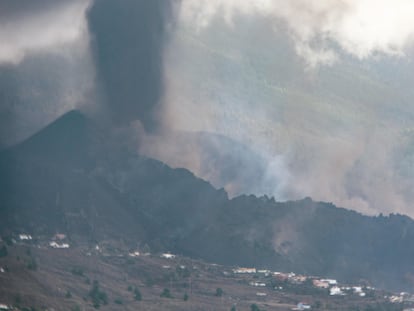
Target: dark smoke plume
column 128, row 38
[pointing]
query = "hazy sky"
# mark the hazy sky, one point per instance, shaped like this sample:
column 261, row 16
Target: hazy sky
column 45, row 65
column 286, row 98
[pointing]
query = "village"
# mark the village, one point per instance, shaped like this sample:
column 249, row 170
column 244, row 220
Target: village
column 275, row 290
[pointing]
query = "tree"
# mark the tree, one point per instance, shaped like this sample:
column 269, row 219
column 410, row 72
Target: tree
column 97, row 295
column 185, row 297
column 118, row 301
column 137, row 294
column 166, row 293
column 219, row 292
column 3, row 251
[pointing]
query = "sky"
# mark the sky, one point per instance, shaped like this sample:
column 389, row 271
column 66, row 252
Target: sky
column 284, row 98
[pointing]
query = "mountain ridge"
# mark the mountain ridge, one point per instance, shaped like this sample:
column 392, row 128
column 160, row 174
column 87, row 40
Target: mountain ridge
column 71, row 178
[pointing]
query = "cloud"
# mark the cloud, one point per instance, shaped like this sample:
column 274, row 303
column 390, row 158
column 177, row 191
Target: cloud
column 36, row 26
column 45, row 64
column 361, row 28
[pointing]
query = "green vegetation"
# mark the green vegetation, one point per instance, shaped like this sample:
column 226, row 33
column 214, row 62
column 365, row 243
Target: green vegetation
column 77, row 271
column 118, row 301
column 219, row 292
column 137, row 294
column 97, row 295
column 32, row 264
column 68, row 294
column 233, row 308
column 3, row 251
column 183, row 272
column 185, row 297
column 8, row 240
column 254, row 307
column 17, row 300
column 166, row 293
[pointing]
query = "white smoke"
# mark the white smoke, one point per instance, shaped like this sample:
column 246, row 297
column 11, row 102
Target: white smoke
column 53, row 27
column 361, row 28
column 238, row 69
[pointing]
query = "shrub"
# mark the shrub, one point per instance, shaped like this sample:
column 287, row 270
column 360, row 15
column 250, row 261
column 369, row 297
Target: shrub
column 166, row 293
column 32, row 264
column 98, row 297
column 3, row 251
column 118, row 301
column 77, row 271
column 137, row 294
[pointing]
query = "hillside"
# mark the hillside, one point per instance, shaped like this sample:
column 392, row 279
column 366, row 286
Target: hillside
column 72, row 178
column 109, row 277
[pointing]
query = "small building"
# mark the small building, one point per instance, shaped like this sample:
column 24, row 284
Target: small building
column 54, row 244
column 264, row 271
column 396, row 299
column 330, row 281
column 336, row 291
column 320, row 284
column 4, row 307
column 298, row 279
column 302, row 306
column 25, row 237
column 168, row 256
column 280, row 276
column 260, row 294
column 244, row 270
column 134, row 254
column 258, row 284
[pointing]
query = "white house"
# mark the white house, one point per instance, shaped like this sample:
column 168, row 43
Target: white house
column 302, row 306
column 25, row 237
column 167, row 256
column 261, row 294
column 244, row 270
column 134, row 254
column 53, row 244
column 258, row 284
column 336, row 291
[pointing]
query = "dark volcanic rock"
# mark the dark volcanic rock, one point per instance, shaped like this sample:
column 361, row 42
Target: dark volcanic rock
column 71, row 177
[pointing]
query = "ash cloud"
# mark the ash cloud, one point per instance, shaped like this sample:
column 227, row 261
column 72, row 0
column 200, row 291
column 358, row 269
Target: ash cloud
column 128, row 41
column 103, row 57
